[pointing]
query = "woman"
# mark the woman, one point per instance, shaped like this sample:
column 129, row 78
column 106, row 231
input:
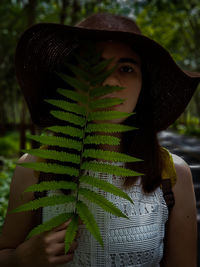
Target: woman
column 158, row 91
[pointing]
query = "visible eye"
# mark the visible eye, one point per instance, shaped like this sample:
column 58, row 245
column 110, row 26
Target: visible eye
column 126, row 68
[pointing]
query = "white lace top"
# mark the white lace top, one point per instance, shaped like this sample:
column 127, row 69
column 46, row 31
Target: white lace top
column 127, row 243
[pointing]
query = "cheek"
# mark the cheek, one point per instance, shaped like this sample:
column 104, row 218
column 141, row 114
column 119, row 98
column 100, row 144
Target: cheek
column 132, row 94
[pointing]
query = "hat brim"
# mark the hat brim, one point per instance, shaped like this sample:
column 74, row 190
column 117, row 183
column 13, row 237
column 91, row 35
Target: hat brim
column 42, row 47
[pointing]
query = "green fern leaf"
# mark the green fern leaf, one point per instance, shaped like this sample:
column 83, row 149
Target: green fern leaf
column 50, row 168
column 72, row 131
column 73, row 95
column 53, row 154
column 109, row 155
column 56, row 141
column 108, row 115
column 106, row 102
column 74, row 82
column 101, row 201
column 107, row 168
column 104, row 186
column 51, row 185
column 108, row 127
column 50, row 224
column 44, row 202
column 102, row 139
column 66, row 116
column 71, row 232
column 89, row 221
column 67, row 106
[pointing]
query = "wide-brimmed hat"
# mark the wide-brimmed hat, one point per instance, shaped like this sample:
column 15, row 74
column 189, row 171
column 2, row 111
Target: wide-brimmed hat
column 42, row 48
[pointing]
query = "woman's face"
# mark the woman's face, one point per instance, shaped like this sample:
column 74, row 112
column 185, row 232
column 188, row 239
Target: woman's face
column 127, row 74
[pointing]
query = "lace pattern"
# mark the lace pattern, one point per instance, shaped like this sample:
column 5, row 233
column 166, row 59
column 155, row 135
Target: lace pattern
column 127, row 243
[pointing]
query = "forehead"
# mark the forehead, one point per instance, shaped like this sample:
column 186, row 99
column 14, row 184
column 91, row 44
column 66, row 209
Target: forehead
column 117, row 49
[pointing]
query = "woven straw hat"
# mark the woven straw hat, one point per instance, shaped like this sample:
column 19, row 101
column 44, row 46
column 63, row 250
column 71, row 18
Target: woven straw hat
column 42, row 48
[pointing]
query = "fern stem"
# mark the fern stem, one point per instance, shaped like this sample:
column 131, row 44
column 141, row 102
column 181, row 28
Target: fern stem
column 82, row 148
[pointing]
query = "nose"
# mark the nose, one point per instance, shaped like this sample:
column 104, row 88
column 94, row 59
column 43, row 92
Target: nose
column 113, row 81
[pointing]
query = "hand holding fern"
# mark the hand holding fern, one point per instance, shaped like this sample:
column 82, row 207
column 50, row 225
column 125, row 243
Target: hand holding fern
column 47, row 249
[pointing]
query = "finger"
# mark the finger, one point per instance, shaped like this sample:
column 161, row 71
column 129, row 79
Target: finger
column 62, row 226
column 57, row 260
column 59, row 236
column 59, row 248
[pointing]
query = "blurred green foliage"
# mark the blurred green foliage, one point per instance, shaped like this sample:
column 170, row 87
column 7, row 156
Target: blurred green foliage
column 7, row 167
column 9, row 145
column 187, row 125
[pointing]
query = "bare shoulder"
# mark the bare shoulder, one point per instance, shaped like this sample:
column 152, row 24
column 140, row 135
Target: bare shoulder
column 183, row 189
column 183, row 174
column 181, row 233
column 21, row 179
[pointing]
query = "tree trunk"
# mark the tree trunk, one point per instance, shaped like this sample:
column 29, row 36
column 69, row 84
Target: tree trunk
column 75, row 12
column 63, row 12
column 2, row 116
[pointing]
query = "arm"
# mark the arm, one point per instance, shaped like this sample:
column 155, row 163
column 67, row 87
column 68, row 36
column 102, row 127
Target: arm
column 45, row 249
column 8, row 258
column 17, row 225
column 181, row 232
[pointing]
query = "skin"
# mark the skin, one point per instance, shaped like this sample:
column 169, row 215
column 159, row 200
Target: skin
column 47, row 249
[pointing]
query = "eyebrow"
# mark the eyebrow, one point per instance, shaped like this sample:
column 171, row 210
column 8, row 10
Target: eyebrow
column 126, row 59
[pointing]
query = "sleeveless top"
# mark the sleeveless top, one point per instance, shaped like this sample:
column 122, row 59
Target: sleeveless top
column 138, row 241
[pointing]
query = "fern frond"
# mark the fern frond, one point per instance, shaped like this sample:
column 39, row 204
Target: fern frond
column 108, row 115
column 44, row 202
column 67, row 106
column 89, row 221
column 51, row 185
column 108, row 127
column 103, row 90
column 56, row 141
column 106, row 186
column 102, row 139
column 71, row 232
column 106, row 102
column 50, row 168
column 74, row 82
column 90, row 73
column 109, row 155
column 50, row 224
column 73, row 95
column 102, row 202
column 53, row 154
column 72, row 131
column 66, row 116
column 107, row 168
